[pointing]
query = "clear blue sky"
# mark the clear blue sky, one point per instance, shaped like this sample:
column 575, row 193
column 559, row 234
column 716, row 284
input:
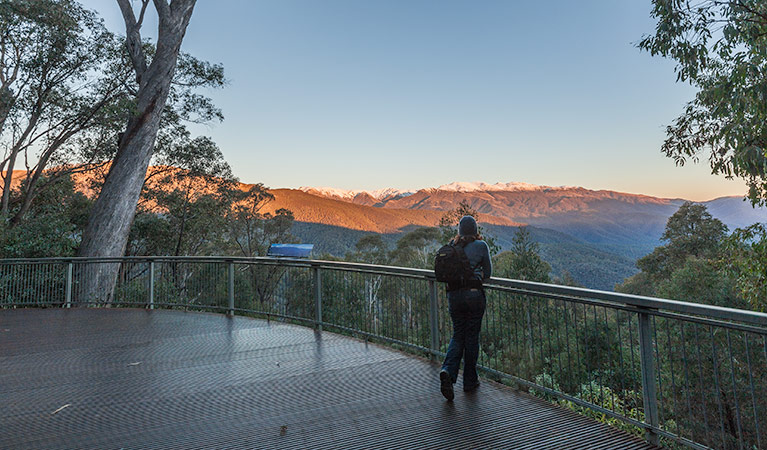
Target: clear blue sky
column 418, row 93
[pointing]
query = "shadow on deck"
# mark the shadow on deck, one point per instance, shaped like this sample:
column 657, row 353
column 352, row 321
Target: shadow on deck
column 122, row 378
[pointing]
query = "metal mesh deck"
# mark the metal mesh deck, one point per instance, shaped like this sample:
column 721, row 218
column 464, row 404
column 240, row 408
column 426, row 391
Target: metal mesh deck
column 122, row 378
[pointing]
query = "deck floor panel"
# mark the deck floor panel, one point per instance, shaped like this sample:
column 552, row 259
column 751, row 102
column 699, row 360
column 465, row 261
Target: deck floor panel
column 174, row 379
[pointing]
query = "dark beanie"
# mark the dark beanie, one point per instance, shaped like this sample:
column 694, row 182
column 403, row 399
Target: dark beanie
column 467, row 226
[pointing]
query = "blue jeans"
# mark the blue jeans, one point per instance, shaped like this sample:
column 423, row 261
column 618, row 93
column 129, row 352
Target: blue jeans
column 467, row 306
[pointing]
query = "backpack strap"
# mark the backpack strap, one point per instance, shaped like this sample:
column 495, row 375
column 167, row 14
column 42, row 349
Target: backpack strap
column 468, row 271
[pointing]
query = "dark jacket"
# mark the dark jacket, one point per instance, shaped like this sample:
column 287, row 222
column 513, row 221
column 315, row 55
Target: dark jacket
column 479, row 259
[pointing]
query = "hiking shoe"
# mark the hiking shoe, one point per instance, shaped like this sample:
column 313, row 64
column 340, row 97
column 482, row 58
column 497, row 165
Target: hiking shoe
column 446, row 385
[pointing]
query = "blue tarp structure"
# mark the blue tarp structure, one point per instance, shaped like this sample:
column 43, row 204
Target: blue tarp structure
column 290, row 250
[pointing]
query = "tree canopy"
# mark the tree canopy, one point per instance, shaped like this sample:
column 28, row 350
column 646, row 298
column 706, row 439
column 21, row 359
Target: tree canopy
column 720, row 47
column 745, row 258
column 67, row 93
column 690, row 231
column 60, row 77
column 700, row 263
column 523, row 261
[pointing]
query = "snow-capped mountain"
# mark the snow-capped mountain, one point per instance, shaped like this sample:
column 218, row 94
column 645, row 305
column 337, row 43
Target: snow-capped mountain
column 582, row 227
column 460, row 186
column 345, row 194
column 326, row 191
column 605, row 217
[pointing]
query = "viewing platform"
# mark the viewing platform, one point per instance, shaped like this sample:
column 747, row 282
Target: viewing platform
column 133, row 378
column 226, row 352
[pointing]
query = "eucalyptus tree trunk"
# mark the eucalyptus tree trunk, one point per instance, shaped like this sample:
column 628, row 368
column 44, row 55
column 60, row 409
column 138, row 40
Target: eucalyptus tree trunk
column 106, row 234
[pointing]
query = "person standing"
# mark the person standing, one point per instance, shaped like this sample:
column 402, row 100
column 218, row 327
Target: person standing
column 467, row 307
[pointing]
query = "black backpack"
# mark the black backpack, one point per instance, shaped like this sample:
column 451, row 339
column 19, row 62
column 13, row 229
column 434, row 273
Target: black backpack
column 452, row 266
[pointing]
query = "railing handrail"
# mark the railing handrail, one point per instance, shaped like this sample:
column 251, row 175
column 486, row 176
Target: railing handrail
column 529, row 287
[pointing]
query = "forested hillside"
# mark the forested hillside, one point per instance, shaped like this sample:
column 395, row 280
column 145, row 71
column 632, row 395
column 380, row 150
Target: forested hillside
column 178, row 206
column 588, row 265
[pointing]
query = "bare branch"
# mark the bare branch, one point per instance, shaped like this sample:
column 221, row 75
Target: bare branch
column 133, row 37
column 144, row 4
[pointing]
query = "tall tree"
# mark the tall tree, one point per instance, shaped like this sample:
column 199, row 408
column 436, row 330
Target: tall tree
column 690, row 232
column 720, row 47
column 417, row 248
column 250, row 231
column 523, row 261
column 187, row 202
column 114, row 210
column 686, row 266
column 67, row 94
column 61, row 74
column 370, row 249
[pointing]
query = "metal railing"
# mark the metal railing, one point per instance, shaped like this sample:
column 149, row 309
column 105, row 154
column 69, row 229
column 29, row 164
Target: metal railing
column 690, row 374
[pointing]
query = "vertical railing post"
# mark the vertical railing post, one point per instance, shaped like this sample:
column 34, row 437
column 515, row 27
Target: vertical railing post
column 647, row 362
column 433, row 318
column 317, row 298
column 68, row 289
column 231, row 288
column 151, row 284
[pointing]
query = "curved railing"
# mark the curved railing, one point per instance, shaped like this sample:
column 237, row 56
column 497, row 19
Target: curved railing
column 691, row 374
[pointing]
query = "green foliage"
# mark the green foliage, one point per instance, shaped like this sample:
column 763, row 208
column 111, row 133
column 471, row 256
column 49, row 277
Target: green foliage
column 700, row 280
column 150, row 234
column 590, row 265
column 691, row 233
column 38, row 238
column 68, row 90
column 608, row 398
column 183, row 207
column 249, row 231
column 52, row 227
column 370, row 249
column 597, row 343
column 566, row 280
column 720, row 47
column 523, row 261
column 59, row 76
column 746, row 260
column 701, row 264
column 417, row 248
column 637, row 284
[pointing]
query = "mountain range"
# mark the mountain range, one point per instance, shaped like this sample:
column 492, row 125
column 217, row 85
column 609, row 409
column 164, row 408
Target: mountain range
column 595, row 235
column 602, row 216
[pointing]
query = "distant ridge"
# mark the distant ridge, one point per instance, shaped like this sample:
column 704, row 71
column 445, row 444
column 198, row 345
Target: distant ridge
column 481, row 186
column 629, row 224
column 378, row 194
column 312, row 208
column 458, row 186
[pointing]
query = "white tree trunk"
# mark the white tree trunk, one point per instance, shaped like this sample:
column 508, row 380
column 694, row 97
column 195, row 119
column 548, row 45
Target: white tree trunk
column 106, row 234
